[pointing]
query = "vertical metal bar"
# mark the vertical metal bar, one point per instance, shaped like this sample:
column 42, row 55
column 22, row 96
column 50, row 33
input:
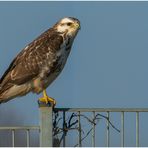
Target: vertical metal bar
column 28, row 137
column 13, row 137
column 45, row 126
column 93, row 131
column 79, row 129
column 64, row 132
column 137, row 129
column 122, row 129
column 108, row 132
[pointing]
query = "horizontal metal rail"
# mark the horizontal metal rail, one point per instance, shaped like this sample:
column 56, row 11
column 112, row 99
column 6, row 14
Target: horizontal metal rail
column 19, row 128
column 102, row 109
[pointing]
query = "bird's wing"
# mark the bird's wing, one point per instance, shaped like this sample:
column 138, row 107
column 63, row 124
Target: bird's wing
column 25, row 66
column 20, row 69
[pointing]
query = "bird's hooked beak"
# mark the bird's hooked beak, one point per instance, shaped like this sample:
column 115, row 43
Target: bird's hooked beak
column 77, row 25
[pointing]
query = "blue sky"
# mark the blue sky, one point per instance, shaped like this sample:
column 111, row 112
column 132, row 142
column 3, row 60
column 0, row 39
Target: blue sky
column 107, row 66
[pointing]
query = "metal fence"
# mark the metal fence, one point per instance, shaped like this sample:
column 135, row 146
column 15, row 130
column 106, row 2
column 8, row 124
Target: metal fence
column 25, row 128
column 93, row 117
column 44, row 129
column 56, row 125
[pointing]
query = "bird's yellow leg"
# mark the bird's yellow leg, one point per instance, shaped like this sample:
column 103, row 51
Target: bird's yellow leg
column 47, row 99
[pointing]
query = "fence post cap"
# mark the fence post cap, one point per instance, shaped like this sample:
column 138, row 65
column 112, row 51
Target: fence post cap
column 42, row 104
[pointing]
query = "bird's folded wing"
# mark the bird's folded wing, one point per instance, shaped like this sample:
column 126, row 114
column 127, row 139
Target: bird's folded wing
column 29, row 61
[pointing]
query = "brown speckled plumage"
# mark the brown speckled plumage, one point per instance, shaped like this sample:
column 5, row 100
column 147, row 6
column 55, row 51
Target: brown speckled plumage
column 38, row 64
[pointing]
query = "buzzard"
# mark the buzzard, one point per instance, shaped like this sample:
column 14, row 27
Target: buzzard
column 39, row 63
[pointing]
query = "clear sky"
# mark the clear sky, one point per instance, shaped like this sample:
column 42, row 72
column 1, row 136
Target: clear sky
column 107, row 66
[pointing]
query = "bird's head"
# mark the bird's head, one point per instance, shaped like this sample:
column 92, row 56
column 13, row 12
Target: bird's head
column 68, row 25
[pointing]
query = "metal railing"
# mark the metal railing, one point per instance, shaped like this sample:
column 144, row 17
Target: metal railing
column 25, row 128
column 92, row 119
column 44, row 128
column 55, row 126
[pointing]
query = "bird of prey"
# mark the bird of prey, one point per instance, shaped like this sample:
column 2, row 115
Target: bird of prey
column 39, row 63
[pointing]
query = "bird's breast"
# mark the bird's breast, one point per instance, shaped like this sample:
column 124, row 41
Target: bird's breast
column 54, row 64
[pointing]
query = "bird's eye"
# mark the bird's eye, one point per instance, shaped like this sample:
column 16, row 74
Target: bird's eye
column 69, row 24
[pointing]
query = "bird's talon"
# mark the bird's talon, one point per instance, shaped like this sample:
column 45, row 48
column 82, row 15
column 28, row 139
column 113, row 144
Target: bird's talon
column 48, row 100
